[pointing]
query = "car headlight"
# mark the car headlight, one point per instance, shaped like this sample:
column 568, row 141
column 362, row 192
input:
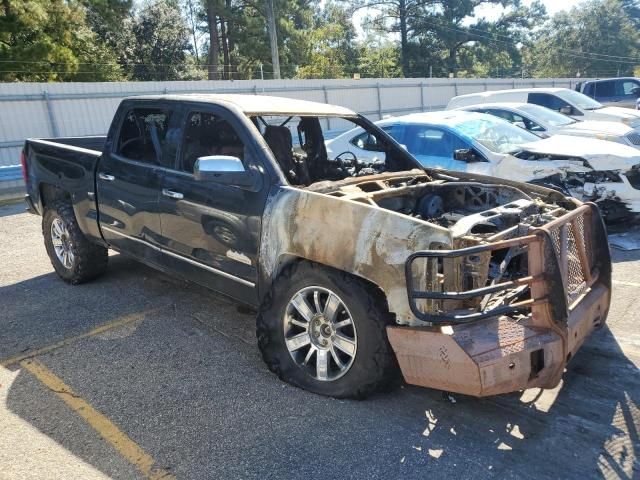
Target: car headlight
column 610, row 138
column 632, row 122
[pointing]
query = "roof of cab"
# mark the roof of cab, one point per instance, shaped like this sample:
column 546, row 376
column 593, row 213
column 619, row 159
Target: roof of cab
column 258, row 104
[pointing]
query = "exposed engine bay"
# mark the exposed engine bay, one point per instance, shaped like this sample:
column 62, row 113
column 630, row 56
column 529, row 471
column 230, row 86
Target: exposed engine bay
column 468, row 209
column 475, row 214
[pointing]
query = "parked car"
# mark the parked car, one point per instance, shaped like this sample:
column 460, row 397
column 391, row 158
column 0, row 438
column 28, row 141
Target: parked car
column 620, row 92
column 562, row 100
column 589, row 169
column 352, row 266
column 545, row 122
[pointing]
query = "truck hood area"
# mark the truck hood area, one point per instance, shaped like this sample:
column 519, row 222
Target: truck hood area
column 601, row 155
column 470, row 209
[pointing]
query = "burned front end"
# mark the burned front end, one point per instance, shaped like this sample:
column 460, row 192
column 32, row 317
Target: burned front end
column 511, row 301
column 493, row 286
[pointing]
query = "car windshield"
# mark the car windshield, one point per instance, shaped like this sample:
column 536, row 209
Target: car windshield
column 496, row 135
column 551, row 117
column 580, row 100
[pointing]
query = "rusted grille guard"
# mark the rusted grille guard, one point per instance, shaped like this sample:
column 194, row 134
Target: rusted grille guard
column 553, row 269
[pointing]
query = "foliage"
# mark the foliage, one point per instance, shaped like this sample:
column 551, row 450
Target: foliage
column 331, row 51
column 72, row 40
column 49, row 40
column 161, row 42
column 596, row 38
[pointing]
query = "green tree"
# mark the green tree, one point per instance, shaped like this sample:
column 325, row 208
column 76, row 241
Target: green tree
column 161, row 42
column 462, row 43
column 379, row 59
column 332, row 51
column 112, row 22
column 49, row 40
column 595, row 39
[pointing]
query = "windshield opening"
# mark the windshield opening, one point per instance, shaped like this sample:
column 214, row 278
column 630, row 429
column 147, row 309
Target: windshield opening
column 496, row 135
column 299, row 146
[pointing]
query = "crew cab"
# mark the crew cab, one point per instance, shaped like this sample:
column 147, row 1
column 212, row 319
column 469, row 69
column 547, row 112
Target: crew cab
column 468, row 283
column 619, row 92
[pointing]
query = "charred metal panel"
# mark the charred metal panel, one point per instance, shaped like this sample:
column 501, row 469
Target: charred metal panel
column 349, row 235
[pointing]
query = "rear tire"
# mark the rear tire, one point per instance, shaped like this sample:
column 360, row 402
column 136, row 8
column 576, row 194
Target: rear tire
column 345, row 354
column 74, row 258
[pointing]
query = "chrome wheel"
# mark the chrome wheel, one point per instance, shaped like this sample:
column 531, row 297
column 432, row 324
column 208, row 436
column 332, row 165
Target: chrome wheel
column 61, row 241
column 320, row 334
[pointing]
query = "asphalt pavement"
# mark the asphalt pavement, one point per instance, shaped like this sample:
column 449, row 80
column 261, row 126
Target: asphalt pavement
column 140, row 375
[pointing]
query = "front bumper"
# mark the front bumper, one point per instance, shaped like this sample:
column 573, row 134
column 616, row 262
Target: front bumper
column 569, row 277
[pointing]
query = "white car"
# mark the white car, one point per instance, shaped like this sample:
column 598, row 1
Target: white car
column 563, row 100
column 589, row 169
column 545, row 122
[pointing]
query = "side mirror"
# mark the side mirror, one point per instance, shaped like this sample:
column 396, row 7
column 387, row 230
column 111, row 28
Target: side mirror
column 465, row 155
column 567, row 110
column 635, row 91
column 221, row 169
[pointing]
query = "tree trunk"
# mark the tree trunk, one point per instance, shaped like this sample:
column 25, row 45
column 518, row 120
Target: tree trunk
column 225, row 49
column 452, row 62
column 230, row 42
column 273, row 39
column 214, row 47
column 404, row 42
column 192, row 22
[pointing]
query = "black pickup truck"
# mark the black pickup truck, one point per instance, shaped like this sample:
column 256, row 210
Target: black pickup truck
column 467, row 283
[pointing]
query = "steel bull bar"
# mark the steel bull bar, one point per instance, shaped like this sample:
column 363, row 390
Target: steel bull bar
column 518, row 345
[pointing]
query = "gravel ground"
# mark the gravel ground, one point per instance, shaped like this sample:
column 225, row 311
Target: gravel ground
column 178, row 375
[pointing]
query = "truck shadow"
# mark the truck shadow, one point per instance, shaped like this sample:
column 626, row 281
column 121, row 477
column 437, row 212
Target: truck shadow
column 194, row 364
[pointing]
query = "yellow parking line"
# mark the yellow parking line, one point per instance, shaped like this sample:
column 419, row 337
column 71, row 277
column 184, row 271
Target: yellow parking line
column 127, row 319
column 101, row 424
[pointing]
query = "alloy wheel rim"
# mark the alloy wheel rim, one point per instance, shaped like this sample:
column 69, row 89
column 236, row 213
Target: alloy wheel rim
column 61, row 241
column 319, row 333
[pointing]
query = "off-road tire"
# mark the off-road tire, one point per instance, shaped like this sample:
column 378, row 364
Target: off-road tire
column 90, row 260
column 374, row 366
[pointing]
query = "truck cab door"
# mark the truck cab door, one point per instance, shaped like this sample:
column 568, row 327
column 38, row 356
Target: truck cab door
column 129, row 179
column 211, row 229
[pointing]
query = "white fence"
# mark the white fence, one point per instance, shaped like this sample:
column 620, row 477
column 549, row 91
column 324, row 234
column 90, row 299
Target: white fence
column 71, row 109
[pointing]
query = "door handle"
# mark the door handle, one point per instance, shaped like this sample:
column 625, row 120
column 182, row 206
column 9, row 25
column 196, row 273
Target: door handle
column 105, row 177
column 172, row 194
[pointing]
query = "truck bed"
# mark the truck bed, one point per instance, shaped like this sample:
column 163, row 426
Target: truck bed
column 68, row 164
column 95, row 143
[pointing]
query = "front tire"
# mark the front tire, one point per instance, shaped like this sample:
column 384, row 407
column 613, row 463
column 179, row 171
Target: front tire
column 325, row 331
column 74, row 258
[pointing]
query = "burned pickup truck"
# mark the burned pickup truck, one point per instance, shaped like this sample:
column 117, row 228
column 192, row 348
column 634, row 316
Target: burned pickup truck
column 467, row 283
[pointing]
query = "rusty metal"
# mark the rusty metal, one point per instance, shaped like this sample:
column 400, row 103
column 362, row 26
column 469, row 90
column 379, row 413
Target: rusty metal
column 509, row 334
column 502, row 354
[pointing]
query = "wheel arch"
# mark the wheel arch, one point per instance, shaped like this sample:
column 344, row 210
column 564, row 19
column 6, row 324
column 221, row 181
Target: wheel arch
column 285, row 261
column 50, row 193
